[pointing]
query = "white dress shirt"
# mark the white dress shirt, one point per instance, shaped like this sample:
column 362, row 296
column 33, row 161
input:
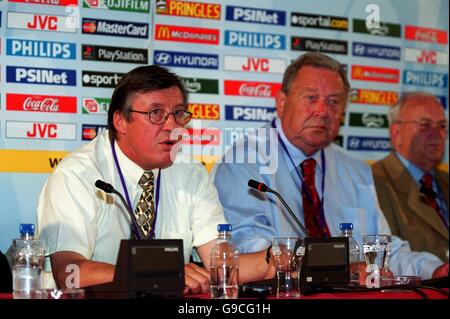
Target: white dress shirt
column 73, row 215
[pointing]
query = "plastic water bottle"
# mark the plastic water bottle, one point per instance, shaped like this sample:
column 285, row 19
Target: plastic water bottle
column 224, row 281
column 354, row 252
column 28, row 261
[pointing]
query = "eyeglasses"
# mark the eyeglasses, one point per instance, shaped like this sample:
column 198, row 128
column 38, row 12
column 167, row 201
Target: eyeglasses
column 426, row 125
column 160, row 116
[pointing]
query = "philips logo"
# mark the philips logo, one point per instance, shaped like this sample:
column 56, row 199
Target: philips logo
column 421, row 78
column 186, row 60
column 376, row 51
column 41, row 49
column 17, row 74
column 255, row 40
column 443, row 100
column 360, row 143
column 249, row 113
column 253, row 15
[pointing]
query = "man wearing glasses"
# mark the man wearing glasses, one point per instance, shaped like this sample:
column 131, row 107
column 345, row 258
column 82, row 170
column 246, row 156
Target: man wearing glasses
column 412, row 191
column 170, row 195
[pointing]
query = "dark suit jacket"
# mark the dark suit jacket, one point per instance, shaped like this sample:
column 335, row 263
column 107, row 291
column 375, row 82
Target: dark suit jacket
column 408, row 215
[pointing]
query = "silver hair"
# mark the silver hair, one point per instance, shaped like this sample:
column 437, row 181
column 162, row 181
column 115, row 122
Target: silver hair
column 316, row 60
column 395, row 110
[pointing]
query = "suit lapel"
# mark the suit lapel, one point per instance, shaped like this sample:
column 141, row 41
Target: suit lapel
column 442, row 180
column 404, row 183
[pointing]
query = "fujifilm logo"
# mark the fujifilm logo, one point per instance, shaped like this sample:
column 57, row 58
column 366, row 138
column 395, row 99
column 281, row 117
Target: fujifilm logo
column 114, row 54
column 100, row 79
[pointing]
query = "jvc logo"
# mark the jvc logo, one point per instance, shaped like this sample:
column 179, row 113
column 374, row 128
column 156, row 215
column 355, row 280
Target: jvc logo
column 41, row 22
column 256, row 65
column 43, row 130
column 427, row 57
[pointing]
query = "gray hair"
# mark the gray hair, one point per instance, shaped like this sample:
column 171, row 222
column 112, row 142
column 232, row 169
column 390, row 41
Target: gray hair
column 394, row 112
column 316, row 60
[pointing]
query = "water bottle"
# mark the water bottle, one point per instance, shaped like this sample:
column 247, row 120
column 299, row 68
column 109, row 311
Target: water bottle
column 354, row 252
column 224, row 267
column 28, row 262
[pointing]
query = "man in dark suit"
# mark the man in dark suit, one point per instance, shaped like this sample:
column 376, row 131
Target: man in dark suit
column 412, row 191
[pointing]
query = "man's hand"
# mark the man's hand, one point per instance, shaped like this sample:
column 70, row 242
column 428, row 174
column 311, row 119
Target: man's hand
column 196, row 279
column 441, row 271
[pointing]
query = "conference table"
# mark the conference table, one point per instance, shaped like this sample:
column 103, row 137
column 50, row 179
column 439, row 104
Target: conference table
column 400, row 293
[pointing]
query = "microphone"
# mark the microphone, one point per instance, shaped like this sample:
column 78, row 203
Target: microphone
column 108, row 188
column 264, row 188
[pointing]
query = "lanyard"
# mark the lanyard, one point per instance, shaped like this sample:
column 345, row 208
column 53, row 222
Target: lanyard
column 127, row 197
column 308, row 194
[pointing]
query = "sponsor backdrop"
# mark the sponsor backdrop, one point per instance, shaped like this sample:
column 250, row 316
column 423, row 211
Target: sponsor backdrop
column 60, row 60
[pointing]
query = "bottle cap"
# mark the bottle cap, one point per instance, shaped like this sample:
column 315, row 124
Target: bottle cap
column 224, row 227
column 26, row 229
column 346, row 226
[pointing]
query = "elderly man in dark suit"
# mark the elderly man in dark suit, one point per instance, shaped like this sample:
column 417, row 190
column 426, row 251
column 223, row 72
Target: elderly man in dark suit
column 412, row 191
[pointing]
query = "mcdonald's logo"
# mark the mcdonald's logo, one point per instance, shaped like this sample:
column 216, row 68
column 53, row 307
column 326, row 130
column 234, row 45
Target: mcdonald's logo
column 163, row 33
column 357, row 72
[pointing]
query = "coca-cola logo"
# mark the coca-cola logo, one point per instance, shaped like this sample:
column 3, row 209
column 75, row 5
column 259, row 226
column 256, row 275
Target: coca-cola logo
column 429, row 36
column 261, row 90
column 41, row 105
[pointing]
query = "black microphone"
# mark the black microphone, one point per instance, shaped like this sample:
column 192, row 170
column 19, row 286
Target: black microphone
column 264, row 188
column 108, row 188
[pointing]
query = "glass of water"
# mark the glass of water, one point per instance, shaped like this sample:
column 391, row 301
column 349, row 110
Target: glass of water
column 377, row 250
column 288, row 254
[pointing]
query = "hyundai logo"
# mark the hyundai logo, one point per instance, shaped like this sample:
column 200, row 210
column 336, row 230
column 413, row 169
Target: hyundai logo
column 163, row 58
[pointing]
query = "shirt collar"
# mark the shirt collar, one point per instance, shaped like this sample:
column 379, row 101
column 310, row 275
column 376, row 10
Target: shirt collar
column 416, row 172
column 296, row 154
column 130, row 170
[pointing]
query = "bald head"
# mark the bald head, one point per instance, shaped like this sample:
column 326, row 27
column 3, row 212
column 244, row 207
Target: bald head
column 418, row 129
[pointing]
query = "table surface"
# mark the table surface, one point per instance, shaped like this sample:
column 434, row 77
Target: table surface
column 383, row 294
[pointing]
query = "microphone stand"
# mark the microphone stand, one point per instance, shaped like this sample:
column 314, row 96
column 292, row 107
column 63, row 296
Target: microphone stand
column 299, row 224
column 108, row 188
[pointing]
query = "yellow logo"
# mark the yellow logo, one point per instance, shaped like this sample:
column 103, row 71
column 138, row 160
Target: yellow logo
column 163, row 33
column 22, row 161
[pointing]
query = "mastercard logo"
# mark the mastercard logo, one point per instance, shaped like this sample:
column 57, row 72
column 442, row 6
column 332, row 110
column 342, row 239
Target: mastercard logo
column 89, row 27
column 89, row 133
